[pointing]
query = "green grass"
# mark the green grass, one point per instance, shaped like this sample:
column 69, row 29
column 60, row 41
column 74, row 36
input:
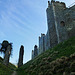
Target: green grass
column 41, row 64
column 6, row 70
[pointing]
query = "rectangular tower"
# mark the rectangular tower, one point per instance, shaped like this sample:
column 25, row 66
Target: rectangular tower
column 56, row 23
column 42, row 43
column 51, row 25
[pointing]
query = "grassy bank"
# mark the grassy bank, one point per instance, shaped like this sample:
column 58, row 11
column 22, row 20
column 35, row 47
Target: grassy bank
column 6, row 70
column 56, row 61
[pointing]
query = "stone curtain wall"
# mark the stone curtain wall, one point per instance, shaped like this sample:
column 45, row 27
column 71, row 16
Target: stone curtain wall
column 70, row 20
column 42, row 43
column 61, row 25
column 47, row 41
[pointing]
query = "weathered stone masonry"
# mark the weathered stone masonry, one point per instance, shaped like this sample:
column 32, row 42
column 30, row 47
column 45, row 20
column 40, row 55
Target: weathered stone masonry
column 21, row 53
column 35, row 51
column 61, row 25
column 42, row 43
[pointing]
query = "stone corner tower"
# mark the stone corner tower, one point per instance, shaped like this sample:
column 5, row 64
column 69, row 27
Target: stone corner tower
column 56, row 23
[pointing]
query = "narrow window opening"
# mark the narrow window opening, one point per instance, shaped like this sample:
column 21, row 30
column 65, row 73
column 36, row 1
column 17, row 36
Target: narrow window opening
column 62, row 23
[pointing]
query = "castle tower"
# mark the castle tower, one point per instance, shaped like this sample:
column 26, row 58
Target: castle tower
column 56, row 23
column 21, row 53
column 42, row 43
column 35, row 50
column 32, row 54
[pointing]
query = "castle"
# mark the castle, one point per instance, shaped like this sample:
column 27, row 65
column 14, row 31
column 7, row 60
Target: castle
column 61, row 26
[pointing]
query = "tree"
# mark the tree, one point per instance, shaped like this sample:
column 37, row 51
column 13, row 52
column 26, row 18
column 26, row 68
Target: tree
column 6, row 50
column 7, row 55
column 4, row 46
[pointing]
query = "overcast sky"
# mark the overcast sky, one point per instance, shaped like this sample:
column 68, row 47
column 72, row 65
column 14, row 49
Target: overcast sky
column 22, row 22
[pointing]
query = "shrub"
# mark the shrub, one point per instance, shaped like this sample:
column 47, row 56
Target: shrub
column 72, row 67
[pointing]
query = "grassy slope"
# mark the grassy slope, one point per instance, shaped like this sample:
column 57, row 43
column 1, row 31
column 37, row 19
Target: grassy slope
column 41, row 64
column 6, row 70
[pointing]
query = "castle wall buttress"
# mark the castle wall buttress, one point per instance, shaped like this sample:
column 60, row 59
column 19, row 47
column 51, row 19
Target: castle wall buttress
column 51, row 26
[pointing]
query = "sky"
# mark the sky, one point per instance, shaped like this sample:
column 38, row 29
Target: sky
column 22, row 22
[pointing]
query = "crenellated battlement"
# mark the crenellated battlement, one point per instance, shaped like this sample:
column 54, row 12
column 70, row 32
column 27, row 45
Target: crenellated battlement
column 58, row 4
column 48, row 3
column 42, row 34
